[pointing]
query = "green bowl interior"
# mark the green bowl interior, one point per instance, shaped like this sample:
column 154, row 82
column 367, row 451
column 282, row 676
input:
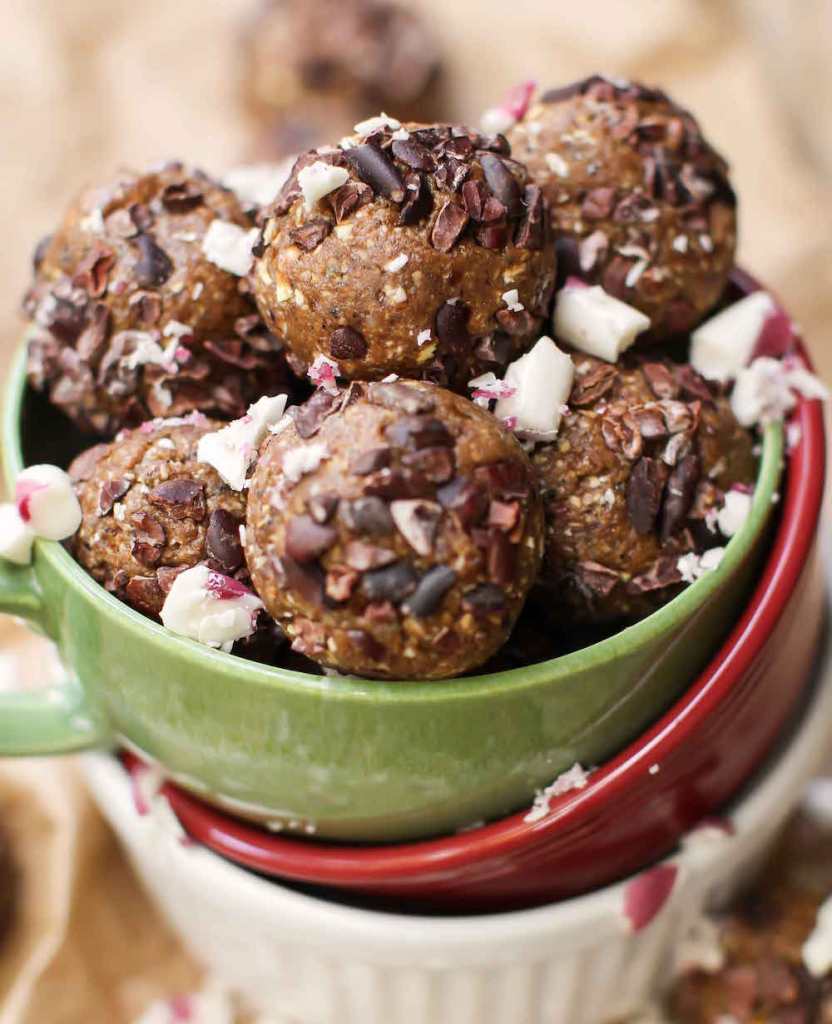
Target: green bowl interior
column 20, row 411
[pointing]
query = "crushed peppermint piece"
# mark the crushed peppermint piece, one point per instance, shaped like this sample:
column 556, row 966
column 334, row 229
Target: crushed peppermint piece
column 817, row 949
column 228, row 246
column 574, row 778
column 764, row 392
column 423, row 337
column 46, row 502
column 488, row 387
column 303, row 459
column 510, row 422
column 374, row 124
column 318, row 180
column 734, row 512
column 323, row 373
column 647, row 893
column 232, row 449
column 147, row 351
column 557, row 165
column 542, row 380
column 509, row 110
column 213, row 1004
column 725, row 343
column 396, row 263
column 16, row 537
column 210, row 608
column 258, row 184
column 596, row 323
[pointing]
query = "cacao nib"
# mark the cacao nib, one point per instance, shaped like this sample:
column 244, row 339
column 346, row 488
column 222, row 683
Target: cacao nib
column 430, row 591
column 451, row 325
column 594, row 384
column 144, row 594
column 83, row 465
column 401, row 398
column 367, row 644
column 94, row 270
column 663, row 573
column 435, row 465
column 450, row 222
column 370, row 461
column 222, row 541
column 417, row 521
column 516, row 323
column 418, row 201
column 153, row 267
column 166, row 574
column 368, row 515
column 110, row 492
column 651, row 422
column 504, row 515
column 361, row 556
column 181, row 498
column 502, row 183
column 679, row 495
column 350, row 197
column 309, row 416
column 503, row 478
column 347, row 343
column 502, row 558
column 148, row 539
column 392, row 583
column 661, row 380
column 465, row 498
column 181, row 196
column 307, row 540
column 531, row 231
column 416, row 432
column 310, row 235
column 307, row 579
column 474, row 197
column 322, row 506
column 414, row 154
column 693, row 385
column 644, row 493
column 598, row 203
column 485, row 599
column 492, row 236
column 596, row 579
column 376, row 168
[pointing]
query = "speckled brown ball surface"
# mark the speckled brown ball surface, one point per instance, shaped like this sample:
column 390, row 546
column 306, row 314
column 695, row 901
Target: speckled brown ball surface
column 131, row 319
column 151, row 510
column 321, row 65
column 647, row 449
column 640, row 202
column 762, row 977
column 393, row 531
column 406, row 266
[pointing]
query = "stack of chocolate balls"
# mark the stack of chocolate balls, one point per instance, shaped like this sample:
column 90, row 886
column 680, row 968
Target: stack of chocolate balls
column 410, row 455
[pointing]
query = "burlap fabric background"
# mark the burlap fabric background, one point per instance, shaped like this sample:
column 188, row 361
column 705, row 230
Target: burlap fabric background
column 88, row 84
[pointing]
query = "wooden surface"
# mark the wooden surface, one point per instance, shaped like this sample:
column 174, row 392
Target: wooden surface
column 86, row 85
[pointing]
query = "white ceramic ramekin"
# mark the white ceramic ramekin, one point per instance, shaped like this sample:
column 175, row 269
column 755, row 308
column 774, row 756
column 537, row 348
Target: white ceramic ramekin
column 306, row 960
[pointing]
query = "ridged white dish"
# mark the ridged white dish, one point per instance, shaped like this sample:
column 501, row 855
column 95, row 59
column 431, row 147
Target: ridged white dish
column 305, row 960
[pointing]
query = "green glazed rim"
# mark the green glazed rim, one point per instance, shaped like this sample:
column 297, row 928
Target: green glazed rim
column 351, row 688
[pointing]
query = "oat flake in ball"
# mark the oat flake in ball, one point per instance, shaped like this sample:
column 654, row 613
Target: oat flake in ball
column 150, row 510
column 640, row 202
column 393, row 531
column 418, row 250
column 633, row 482
column 139, row 308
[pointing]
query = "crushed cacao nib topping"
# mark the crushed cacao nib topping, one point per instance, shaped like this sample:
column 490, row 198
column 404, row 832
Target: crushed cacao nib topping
column 661, row 379
column 392, row 583
column 307, row 540
column 448, row 227
column 361, row 556
column 418, row 203
column 415, row 432
column 181, row 498
column 663, row 573
column 465, row 498
column 645, row 489
column 154, row 266
column 501, row 557
column 309, row 416
column 368, row 515
column 485, row 599
column 222, row 541
column 531, row 231
column 417, row 521
column 144, row 594
column 430, row 591
column 94, row 270
column 370, row 461
column 306, row 578
column 377, row 170
column 595, row 580
column 110, row 492
column 310, row 235
column 347, row 343
column 148, row 539
column 322, row 506
column 451, row 325
column 414, row 154
column 181, row 196
column 594, row 384
column 679, row 495
column 435, row 465
column 401, row 398
column 351, row 196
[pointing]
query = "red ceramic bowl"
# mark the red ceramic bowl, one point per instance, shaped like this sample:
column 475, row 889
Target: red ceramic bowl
column 637, row 806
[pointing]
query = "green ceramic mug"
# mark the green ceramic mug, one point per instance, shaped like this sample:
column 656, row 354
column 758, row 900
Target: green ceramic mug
column 348, row 758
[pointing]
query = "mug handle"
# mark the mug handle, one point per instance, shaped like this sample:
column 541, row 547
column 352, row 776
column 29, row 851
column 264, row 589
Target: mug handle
column 51, row 720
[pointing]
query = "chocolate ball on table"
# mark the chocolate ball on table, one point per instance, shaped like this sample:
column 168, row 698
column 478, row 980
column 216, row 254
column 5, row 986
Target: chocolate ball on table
column 633, row 483
column 313, row 68
column 640, row 202
column 151, row 509
column 393, row 531
column 419, row 250
column 139, row 305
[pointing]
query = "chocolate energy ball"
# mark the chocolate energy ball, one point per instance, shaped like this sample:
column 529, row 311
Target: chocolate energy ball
column 151, row 510
column 315, row 67
column 420, row 251
column 757, row 969
column 139, row 306
column 640, row 202
column 393, row 531
column 633, row 481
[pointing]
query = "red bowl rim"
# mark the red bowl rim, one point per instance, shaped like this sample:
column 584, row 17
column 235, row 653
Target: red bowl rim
column 329, row 863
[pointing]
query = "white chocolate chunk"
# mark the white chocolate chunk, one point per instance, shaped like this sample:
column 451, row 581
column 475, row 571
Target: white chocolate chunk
column 723, row 345
column 817, row 949
column 209, row 607
column 47, row 503
column 734, row 512
column 542, row 381
column 228, row 246
column 233, row 449
column 318, row 180
column 693, row 566
column 765, row 391
column 596, row 323
column 497, row 121
column 374, row 124
column 303, row 459
column 16, row 538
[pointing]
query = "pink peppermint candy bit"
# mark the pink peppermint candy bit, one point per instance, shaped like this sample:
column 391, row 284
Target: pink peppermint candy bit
column 517, row 100
column 777, row 336
column 23, row 491
column 510, row 422
column 138, row 787
column 575, row 282
column 646, row 894
column 182, row 1009
column 225, row 588
column 323, row 373
column 494, row 391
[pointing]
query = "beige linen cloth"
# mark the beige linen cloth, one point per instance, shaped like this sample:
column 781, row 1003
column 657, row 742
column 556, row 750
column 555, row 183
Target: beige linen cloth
column 88, row 84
